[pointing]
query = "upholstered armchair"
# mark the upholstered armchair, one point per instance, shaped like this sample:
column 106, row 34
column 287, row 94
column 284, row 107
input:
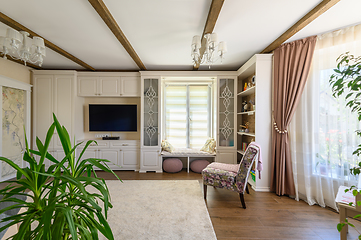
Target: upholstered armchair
column 233, row 177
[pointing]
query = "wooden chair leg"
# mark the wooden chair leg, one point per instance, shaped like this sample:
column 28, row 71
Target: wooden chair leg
column 247, row 190
column 242, row 200
column 205, row 191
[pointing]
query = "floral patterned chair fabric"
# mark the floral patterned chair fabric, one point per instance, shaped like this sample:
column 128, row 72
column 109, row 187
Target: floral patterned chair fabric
column 234, row 181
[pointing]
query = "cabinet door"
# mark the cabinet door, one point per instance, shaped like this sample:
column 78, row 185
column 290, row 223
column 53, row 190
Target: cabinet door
column 227, row 157
column 109, row 154
column 89, row 153
column 43, row 107
column 150, row 117
column 150, row 161
column 130, row 158
column 63, row 98
column 130, row 87
column 87, row 86
column 109, row 86
column 226, row 113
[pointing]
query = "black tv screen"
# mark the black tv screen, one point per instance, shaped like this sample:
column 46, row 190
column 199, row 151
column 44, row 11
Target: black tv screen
column 112, row 117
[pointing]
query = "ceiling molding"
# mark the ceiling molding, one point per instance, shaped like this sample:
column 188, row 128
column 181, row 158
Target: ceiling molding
column 21, row 62
column 303, row 22
column 108, row 70
column 213, row 14
column 108, row 19
column 17, row 26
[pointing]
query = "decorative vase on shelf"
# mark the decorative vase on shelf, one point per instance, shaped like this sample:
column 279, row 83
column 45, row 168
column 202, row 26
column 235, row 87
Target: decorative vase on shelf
column 246, row 130
column 246, row 107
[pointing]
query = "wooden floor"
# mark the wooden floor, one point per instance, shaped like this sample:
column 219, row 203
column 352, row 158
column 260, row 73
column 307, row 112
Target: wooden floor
column 267, row 216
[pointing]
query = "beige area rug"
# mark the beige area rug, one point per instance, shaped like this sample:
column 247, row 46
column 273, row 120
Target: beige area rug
column 159, row 209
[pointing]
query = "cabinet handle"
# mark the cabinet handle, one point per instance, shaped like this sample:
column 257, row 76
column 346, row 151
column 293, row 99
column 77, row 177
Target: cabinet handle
column 120, row 150
column 124, row 144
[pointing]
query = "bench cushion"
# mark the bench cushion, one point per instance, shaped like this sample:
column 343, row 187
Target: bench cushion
column 186, row 152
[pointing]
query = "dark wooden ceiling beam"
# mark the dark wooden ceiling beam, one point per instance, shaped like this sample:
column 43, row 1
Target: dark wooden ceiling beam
column 213, row 14
column 303, row 22
column 107, row 17
column 17, row 26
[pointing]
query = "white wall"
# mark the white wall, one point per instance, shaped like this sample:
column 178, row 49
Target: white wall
column 15, row 70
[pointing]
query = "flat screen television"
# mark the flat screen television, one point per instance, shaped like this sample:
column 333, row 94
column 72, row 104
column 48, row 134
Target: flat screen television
column 113, row 117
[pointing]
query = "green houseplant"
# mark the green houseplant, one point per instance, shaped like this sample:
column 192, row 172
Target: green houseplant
column 66, row 201
column 347, row 79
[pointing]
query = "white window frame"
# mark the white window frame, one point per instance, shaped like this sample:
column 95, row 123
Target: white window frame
column 196, row 81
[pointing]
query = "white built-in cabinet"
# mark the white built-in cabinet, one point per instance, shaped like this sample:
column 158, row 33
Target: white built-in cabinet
column 64, row 93
column 150, row 159
column 98, row 85
column 226, row 119
column 130, row 86
column 257, row 74
column 55, row 92
column 122, row 154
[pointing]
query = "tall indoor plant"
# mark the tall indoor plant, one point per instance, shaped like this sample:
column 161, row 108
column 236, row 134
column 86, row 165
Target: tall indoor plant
column 65, row 201
column 347, row 79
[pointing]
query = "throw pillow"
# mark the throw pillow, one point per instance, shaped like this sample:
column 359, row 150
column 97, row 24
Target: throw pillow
column 209, row 146
column 166, row 146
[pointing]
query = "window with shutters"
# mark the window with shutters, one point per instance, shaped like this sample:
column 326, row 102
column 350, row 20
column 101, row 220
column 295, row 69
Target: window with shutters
column 187, row 114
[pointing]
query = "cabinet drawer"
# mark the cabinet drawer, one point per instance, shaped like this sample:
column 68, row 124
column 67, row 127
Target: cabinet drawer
column 93, row 145
column 122, row 144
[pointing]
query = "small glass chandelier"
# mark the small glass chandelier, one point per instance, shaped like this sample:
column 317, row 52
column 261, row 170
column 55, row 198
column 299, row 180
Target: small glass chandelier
column 19, row 46
column 209, row 56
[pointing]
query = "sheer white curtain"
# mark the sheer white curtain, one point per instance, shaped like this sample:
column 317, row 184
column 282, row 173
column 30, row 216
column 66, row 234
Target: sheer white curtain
column 322, row 131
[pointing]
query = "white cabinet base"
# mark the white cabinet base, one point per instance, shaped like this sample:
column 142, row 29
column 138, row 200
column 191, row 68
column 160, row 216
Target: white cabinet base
column 150, row 161
column 122, row 154
column 227, row 156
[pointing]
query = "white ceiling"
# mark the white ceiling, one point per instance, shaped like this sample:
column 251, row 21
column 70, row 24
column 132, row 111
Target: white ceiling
column 161, row 31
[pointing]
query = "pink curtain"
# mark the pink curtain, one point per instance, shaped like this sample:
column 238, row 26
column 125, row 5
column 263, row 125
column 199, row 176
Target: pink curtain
column 292, row 62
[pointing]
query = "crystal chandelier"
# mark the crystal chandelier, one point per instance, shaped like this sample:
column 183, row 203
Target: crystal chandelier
column 209, row 55
column 19, row 46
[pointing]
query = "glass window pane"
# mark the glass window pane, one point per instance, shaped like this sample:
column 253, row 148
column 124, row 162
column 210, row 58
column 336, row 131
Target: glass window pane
column 198, row 116
column 176, row 115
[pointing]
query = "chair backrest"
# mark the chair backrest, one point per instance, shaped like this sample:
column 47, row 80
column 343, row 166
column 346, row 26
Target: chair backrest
column 245, row 166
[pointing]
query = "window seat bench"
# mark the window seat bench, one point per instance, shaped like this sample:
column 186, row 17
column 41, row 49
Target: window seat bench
column 189, row 154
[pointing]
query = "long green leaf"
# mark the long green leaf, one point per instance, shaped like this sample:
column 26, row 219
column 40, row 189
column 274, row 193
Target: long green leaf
column 24, row 226
column 69, row 217
column 44, row 150
column 86, row 146
column 14, row 165
column 64, row 137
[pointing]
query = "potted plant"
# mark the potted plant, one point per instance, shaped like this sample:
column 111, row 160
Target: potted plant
column 65, row 201
column 347, row 79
